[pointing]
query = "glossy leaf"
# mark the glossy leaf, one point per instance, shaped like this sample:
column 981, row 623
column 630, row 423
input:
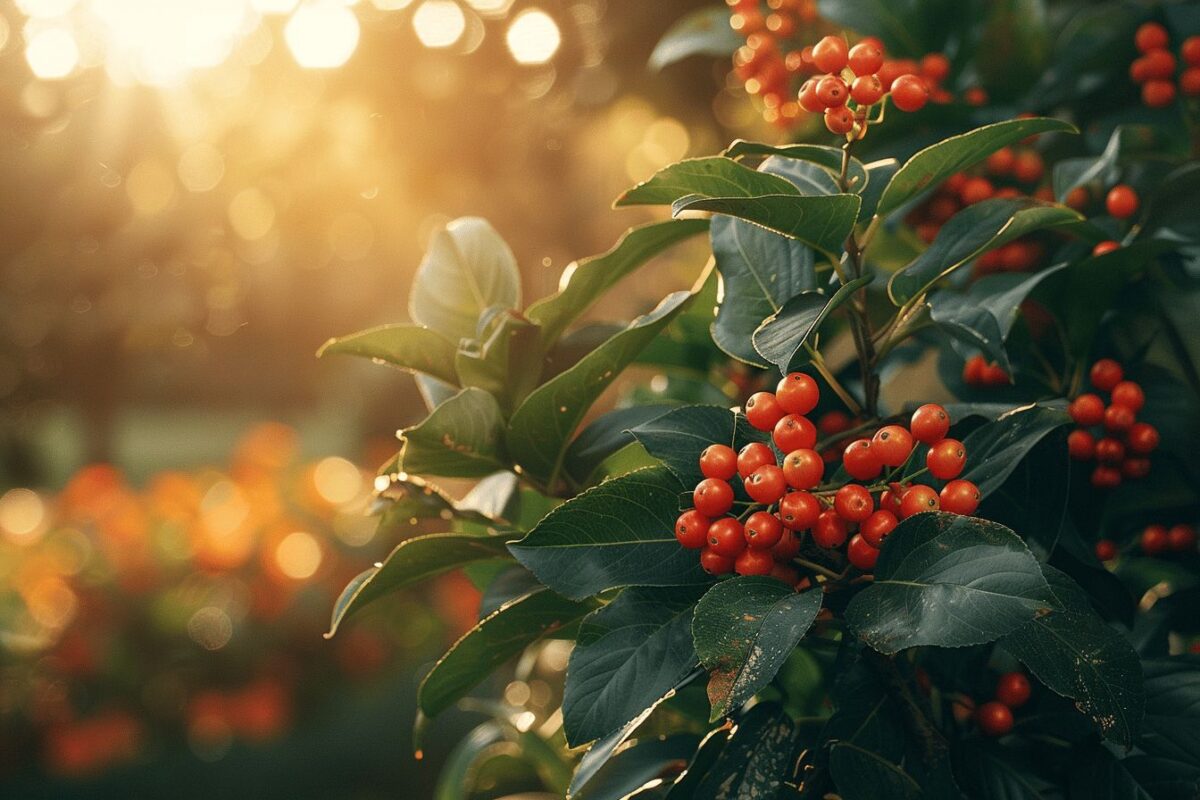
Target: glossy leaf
column 826, row 157
column 507, row 364
column 678, row 437
column 714, row 176
column 704, row 32
column 744, row 630
column 636, row 766
column 995, row 449
column 605, row 436
column 462, row 438
column 409, row 347
column 822, row 223
column 782, row 337
column 948, row 581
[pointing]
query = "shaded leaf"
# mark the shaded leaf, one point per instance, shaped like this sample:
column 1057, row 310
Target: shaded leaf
column 995, row 449
column 822, row 223
column 713, row 176
column 757, row 759
column 782, row 337
column 863, row 775
column 409, row 347
column 462, row 438
column 1172, row 723
column 605, row 436
column 704, row 32
column 636, row 766
column 678, row 437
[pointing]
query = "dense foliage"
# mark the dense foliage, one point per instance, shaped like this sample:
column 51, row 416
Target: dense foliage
column 1025, row 238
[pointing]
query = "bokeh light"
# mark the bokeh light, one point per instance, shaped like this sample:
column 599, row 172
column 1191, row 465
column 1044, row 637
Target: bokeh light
column 491, row 8
column 22, row 514
column 322, row 35
column 337, row 480
column 52, row 53
column 533, row 37
column 439, row 23
column 298, row 555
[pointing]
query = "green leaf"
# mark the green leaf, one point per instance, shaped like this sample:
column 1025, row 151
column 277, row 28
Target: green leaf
column 507, row 365
column 541, row 428
column 704, row 32
column 408, row 499
column 593, row 276
column 501, row 635
column 605, row 436
column 879, row 175
column 627, row 655
column 996, row 448
column 713, row 176
column 639, row 764
column 467, row 270
column 971, row 232
column 936, row 163
column 782, row 337
column 744, row 630
column 759, row 271
column 678, row 437
column 462, row 438
column 758, row 759
column 996, row 773
column 945, row 580
column 1172, row 723
column 1078, row 655
column 828, row 158
column 409, row 347
column 908, row 27
column 412, row 561
column 863, row 775
column 620, row 533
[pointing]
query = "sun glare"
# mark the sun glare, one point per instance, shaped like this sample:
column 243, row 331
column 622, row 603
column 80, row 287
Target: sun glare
column 52, row 53
column 439, row 23
column 322, row 35
column 533, row 37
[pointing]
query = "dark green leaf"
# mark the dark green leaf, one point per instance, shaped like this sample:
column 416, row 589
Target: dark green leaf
column 744, row 631
column 462, row 438
column 714, row 176
column 948, row 581
column 908, row 27
column 605, row 436
column 409, row 347
column 1103, row 776
column 678, row 437
column 704, row 32
column 879, row 175
column 995, row 449
column 822, row 223
column 863, row 775
column 757, row 760
column 995, row 773
column 636, row 766
column 782, row 337
column 1172, row 723
column 828, row 158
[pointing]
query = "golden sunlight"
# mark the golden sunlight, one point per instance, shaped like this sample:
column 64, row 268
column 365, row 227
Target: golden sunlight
column 533, row 37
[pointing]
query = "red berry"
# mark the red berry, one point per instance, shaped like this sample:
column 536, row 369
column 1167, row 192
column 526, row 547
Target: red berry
column 994, row 719
column 691, row 529
column 763, row 530
column 1190, row 50
column 1029, row 167
column 1106, row 477
column 1151, row 36
column 946, row 459
column 891, row 498
column 1013, row 689
column 714, row 563
column 861, row 554
column 1110, row 451
column 976, row 190
column 766, row 484
column 1154, row 540
column 959, row 497
column 1087, row 409
column 1105, row 374
column 973, row 370
column 1118, row 418
column 917, row 499
column 799, row 510
column 754, row 562
column 935, row 67
column 763, row 411
column 1135, row 468
column 1158, row 94
column 832, row 91
column 1081, row 445
column 785, row 573
column 866, row 90
column 831, row 54
column 853, row 503
column 1139, row 70
column 1106, row 550
column 753, row 456
column 930, row 423
column 1158, row 65
column 865, row 59
column 1142, row 438
column 797, row 393
column 794, row 432
column 834, row 422
column 718, row 461
column 1106, row 247
column 712, row 497
column 830, row 530
column 726, row 537
column 808, row 97
column 994, row 375
column 1189, row 82
column 1122, row 201
column 839, row 120
column 1181, row 538
column 877, row 526
column 861, row 461
column 910, row 93
column 892, row 444
column 803, row 468
column 1130, row 395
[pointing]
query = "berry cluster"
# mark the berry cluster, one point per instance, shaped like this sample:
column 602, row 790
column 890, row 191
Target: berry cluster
column 995, row 718
column 787, row 495
column 1154, row 540
column 760, row 64
column 1155, row 69
column 1124, row 444
column 978, row 371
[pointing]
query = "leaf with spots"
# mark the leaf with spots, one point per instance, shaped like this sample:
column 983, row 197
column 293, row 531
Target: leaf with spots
column 757, row 760
column 744, row 630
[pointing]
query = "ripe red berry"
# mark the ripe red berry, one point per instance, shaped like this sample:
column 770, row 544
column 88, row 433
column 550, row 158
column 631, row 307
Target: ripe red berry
column 1122, row 201
column 831, row 54
column 853, row 502
column 1081, row 445
column 994, row 719
column 830, row 530
column 891, row 498
column 1158, row 94
column 787, row 548
column 803, row 468
column 1190, row 51
column 832, row 91
column 946, row 459
column 1189, row 82
column 714, row 563
column 1106, row 247
column 1154, row 540
column 1106, row 477
column 877, row 526
column 766, row 484
column 691, row 529
column 935, row 67
column 930, row 423
column 910, row 93
column 1181, row 538
column 1013, row 689
column 763, row 411
column 763, row 530
column 866, row 90
column 1135, row 468
column 1151, row 36
column 1087, row 409
column 1158, row 65
column 834, row 422
column 1130, row 395
column 959, row 497
column 1001, row 162
column 861, row 554
column 799, row 510
column 861, row 461
column 892, row 444
column 718, row 461
column 1105, row 374
column 754, row 562
column 1106, row 550
column 794, row 432
column 976, row 190
column 712, row 497
column 839, row 120
column 1142, row 438
column 1118, row 418
column 1139, row 70
column 753, row 456
column 865, row 59
column 808, row 97
column 1110, row 451
column 917, row 499
column 1029, row 167
column 797, row 393
column 973, row 370
column 726, row 537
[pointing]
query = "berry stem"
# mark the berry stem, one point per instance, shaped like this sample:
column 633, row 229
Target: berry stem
column 818, row 362
column 817, row 568
column 860, row 322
